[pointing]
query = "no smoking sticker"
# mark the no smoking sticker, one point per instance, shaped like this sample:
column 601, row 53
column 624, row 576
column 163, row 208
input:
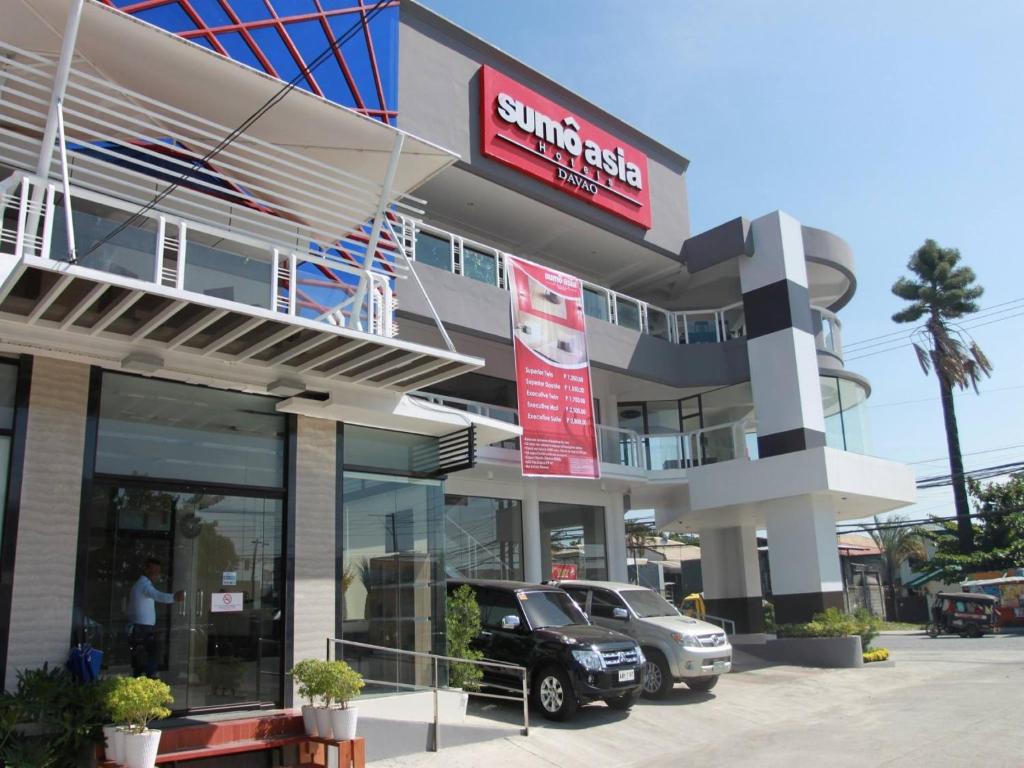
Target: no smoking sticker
column 225, row 602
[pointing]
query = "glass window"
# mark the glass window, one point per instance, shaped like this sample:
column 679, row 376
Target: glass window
column 602, row 603
column 433, row 250
column 495, row 605
column 393, row 583
column 480, row 266
column 663, row 442
column 646, row 603
column 550, row 609
column 846, row 416
column 382, row 449
column 573, row 539
column 8, row 385
column 483, row 537
column 627, row 312
column 833, row 416
column 579, row 594
column 156, row 428
column 595, row 303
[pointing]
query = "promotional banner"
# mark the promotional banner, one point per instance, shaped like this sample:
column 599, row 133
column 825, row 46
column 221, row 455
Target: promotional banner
column 556, row 408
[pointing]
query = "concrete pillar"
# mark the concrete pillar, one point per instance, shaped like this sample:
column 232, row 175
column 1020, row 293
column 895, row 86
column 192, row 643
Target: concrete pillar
column 315, row 546
column 803, row 558
column 732, row 577
column 46, row 558
column 780, row 338
column 532, row 544
column 615, row 538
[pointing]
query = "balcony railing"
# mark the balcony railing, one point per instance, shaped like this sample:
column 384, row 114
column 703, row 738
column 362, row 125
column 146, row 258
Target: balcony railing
column 830, row 338
column 194, row 257
column 627, row 448
column 483, row 263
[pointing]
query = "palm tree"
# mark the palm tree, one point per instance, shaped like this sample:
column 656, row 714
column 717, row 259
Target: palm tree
column 896, row 542
column 943, row 292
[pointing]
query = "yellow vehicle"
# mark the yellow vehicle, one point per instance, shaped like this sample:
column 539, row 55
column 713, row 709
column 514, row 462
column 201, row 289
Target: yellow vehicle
column 693, row 606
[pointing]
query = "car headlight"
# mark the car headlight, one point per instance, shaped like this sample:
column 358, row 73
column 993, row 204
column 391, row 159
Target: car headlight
column 591, row 660
column 687, row 641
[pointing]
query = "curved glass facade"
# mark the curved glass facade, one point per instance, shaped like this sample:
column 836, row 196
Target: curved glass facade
column 846, row 418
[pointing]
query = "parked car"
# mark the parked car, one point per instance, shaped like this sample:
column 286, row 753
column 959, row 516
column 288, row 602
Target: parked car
column 678, row 649
column 570, row 661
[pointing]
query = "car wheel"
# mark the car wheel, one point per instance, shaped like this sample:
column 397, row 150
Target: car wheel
column 553, row 694
column 623, row 703
column 933, row 630
column 657, row 675
column 702, row 683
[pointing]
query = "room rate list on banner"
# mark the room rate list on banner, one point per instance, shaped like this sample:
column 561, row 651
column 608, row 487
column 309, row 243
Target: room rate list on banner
column 556, row 407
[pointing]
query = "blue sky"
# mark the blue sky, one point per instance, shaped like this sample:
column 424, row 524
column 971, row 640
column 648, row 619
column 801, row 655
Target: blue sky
column 884, row 122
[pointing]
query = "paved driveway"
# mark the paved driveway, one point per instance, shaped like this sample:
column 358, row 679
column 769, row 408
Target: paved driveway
column 946, row 702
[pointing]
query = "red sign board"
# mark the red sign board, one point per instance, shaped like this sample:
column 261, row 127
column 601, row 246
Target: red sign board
column 563, row 571
column 522, row 129
column 552, row 372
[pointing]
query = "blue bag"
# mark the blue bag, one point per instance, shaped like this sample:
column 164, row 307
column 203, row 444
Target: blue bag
column 84, row 663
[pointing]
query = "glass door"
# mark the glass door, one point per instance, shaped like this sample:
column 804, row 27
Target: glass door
column 221, row 645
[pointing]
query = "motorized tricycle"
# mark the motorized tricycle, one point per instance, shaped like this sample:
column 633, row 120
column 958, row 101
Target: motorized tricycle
column 962, row 613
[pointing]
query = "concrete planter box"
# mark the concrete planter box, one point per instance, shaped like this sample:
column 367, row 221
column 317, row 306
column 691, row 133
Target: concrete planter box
column 833, row 652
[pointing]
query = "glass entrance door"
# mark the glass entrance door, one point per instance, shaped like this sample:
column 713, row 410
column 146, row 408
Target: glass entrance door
column 221, row 645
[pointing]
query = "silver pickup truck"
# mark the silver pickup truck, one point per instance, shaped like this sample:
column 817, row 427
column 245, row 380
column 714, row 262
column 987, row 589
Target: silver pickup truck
column 677, row 648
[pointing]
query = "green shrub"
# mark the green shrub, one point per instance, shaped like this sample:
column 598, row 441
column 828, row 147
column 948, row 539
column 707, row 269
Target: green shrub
column 137, row 701
column 49, row 719
column 835, row 623
column 309, row 674
column 341, row 683
column 769, row 616
column 463, row 625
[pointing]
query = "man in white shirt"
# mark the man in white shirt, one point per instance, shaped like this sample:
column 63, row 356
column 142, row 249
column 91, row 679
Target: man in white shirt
column 142, row 602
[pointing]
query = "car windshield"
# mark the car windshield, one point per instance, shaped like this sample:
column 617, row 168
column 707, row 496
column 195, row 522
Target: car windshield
column 646, row 603
column 551, row 609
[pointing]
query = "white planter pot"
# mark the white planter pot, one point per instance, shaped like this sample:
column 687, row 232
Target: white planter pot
column 118, row 746
column 140, row 749
column 344, row 723
column 323, row 723
column 110, row 745
column 309, row 719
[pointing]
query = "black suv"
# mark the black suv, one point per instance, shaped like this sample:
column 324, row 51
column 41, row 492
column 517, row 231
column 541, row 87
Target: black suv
column 570, row 661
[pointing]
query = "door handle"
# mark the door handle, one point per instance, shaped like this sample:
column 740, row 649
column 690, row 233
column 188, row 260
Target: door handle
column 199, row 604
column 182, row 606
column 485, row 633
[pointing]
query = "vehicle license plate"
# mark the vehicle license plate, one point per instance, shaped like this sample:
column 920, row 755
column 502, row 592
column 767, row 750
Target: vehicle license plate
column 625, row 675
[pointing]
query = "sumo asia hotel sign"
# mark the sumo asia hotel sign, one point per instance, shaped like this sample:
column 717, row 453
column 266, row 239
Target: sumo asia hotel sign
column 522, row 129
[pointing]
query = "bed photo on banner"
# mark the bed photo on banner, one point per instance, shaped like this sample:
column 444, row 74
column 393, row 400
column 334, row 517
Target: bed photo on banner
column 556, row 409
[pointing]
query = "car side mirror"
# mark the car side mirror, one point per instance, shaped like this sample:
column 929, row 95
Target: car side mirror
column 620, row 613
column 510, row 622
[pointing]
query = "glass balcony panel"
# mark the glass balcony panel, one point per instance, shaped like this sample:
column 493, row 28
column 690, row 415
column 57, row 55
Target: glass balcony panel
column 228, row 270
column 595, row 303
column 700, row 328
column 433, row 250
column 657, row 324
column 480, row 266
column 628, row 313
column 130, row 253
column 320, row 289
column 735, row 323
column 666, row 451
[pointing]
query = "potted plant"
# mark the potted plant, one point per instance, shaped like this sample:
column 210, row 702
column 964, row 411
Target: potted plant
column 341, row 685
column 308, row 675
column 138, row 701
column 462, row 625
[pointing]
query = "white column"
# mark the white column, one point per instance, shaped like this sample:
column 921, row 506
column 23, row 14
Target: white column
column 803, row 558
column 615, row 538
column 51, row 493
column 531, row 534
column 731, row 576
column 315, row 546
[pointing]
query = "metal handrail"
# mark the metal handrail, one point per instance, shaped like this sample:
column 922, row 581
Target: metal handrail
column 721, row 620
column 689, row 443
column 333, row 642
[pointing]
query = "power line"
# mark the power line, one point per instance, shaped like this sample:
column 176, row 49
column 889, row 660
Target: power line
column 896, row 524
column 908, row 331
column 931, row 399
column 983, row 473
column 224, row 143
column 969, row 453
